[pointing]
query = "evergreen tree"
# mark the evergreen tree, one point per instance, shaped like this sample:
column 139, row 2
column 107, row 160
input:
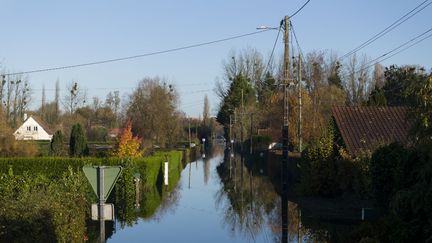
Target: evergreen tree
column 233, row 99
column 78, row 141
column 335, row 78
column 56, row 146
column 377, row 97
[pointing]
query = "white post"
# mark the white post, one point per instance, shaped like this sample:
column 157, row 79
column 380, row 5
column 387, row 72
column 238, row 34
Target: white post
column 166, row 174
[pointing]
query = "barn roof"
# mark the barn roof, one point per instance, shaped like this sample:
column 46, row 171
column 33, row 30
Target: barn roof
column 363, row 129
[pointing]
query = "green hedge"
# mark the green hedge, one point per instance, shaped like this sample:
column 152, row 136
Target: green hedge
column 57, row 171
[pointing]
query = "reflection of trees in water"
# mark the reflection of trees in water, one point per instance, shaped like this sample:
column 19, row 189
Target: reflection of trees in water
column 251, row 199
column 210, row 151
column 252, row 206
column 169, row 201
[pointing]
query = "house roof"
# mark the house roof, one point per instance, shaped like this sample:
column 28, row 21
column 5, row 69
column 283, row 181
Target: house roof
column 363, row 129
column 41, row 123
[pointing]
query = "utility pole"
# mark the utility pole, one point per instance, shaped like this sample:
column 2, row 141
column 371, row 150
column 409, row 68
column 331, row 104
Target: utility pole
column 285, row 134
column 231, row 141
column 190, row 142
column 241, row 124
column 251, row 130
column 299, row 73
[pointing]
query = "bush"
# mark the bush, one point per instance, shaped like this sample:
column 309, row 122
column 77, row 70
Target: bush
column 56, row 213
column 57, row 144
column 386, row 171
column 78, row 142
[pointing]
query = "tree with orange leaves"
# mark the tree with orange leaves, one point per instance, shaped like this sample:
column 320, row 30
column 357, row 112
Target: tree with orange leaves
column 128, row 145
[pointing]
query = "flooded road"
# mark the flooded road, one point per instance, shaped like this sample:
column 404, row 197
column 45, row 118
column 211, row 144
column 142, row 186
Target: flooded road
column 217, row 199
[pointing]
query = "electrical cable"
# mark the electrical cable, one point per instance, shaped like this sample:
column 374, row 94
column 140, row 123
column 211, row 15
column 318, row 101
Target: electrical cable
column 397, row 48
column 298, row 10
column 136, row 56
column 389, row 28
column 272, row 52
column 297, row 42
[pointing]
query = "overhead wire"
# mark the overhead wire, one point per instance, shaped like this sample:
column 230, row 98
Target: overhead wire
column 389, row 28
column 136, row 56
column 300, row 9
column 273, row 50
column 397, row 48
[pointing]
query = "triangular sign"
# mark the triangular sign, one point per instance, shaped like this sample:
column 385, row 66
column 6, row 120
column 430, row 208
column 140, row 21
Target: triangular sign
column 111, row 174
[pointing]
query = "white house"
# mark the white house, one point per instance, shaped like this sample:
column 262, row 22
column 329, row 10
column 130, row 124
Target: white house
column 31, row 129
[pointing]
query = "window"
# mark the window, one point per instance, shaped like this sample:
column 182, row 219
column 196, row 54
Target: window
column 29, row 128
column 35, row 128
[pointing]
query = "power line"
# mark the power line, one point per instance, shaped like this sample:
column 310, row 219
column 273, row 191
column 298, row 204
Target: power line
column 297, row 42
column 389, row 28
column 296, row 12
column 397, row 48
column 404, row 44
column 273, row 49
column 137, row 56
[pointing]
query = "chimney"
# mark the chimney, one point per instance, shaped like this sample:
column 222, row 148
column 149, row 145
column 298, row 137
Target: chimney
column 25, row 116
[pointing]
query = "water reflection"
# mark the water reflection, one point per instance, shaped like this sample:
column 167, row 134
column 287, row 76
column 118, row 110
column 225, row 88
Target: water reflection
column 222, row 198
column 255, row 206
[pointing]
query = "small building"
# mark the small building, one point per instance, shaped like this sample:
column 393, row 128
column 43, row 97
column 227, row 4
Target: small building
column 32, row 129
column 114, row 133
column 364, row 129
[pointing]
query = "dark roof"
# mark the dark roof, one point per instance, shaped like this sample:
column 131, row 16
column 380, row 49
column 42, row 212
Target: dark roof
column 363, row 129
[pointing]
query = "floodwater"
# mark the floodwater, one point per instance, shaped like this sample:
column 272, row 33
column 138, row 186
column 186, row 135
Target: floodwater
column 219, row 198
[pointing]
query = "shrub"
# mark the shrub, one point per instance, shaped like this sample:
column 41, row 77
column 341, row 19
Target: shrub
column 57, row 144
column 56, row 213
column 78, row 142
column 128, row 145
column 385, row 171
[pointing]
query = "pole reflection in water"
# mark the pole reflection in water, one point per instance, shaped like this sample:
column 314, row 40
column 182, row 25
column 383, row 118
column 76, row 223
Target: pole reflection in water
column 284, row 202
column 255, row 209
column 242, row 204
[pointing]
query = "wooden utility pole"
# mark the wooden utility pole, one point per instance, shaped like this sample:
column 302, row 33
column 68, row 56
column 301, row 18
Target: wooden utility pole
column 241, row 124
column 285, row 142
column 299, row 72
column 190, row 142
column 251, row 130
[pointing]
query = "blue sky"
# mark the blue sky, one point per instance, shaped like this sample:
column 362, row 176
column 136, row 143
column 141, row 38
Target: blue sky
column 43, row 34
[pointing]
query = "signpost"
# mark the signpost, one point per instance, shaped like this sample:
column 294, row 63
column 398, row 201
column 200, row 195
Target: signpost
column 102, row 179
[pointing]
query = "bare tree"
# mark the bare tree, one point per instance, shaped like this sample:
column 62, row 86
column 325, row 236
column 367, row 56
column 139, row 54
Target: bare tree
column 206, row 111
column 15, row 97
column 74, row 98
column 357, row 80
column 57, row 98
column 378, row 75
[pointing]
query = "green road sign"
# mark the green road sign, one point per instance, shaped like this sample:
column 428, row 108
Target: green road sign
column 110, row 176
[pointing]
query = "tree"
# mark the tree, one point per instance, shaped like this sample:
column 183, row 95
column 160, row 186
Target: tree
column 74, row 98
column 335, row 78
column 233, row 99
column 420, row 95
column 78, row 142
column 398, row 81
column 152, row 111
column 9, row 146
column 57, row 99
column 128, row 145
column 377, row 97
column 113, row 102
column 15, row 98
column 357, row 81
column 56, row 145
column 206, row 111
